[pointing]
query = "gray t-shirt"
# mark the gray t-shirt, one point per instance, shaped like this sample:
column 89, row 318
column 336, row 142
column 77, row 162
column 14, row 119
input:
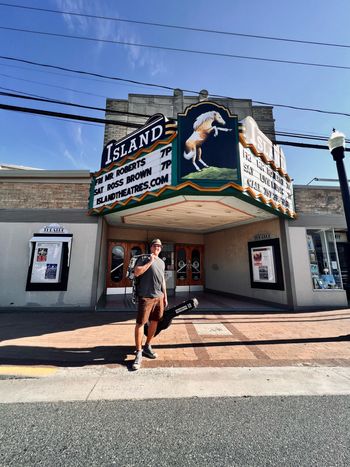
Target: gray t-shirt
column 150, row 283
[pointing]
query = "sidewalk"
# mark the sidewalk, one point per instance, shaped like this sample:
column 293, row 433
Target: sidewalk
column 67, row 339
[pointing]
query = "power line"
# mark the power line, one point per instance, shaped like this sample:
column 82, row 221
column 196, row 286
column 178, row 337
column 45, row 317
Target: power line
column 304, row 136
column 126, row 124
column 64, row 87
column 69, row 116
column 178, row 27
column 52, row 85
column 177, row 49
column 71, row 104
column 82, row 72
column 161, row 86
column 27, row 96
column 58, row 74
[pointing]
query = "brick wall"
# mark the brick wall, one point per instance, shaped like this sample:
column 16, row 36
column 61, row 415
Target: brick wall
column 320, row 200
column 16, row 195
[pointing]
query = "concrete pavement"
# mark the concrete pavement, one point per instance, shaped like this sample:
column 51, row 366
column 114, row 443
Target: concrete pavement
column 101, row 383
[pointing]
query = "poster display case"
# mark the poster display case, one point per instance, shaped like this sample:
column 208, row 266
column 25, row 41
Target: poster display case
column 265, row 264
column 49, row 259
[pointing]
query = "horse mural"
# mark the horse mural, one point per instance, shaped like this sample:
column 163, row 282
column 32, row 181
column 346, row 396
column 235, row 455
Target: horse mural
column 202, row 127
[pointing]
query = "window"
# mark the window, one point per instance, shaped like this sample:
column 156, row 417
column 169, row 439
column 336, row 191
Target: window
column 324, row 262
column 117, row 263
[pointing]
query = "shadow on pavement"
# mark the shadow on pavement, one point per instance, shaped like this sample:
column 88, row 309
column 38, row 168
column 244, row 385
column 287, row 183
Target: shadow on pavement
column 102, row 355
column 65, row 357
column 14, row 325
column 305, row 340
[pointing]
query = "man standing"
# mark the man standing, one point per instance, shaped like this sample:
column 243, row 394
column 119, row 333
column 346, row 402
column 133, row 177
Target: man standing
column 152, row 299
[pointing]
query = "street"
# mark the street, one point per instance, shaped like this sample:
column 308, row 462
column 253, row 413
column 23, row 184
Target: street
column 246, row 431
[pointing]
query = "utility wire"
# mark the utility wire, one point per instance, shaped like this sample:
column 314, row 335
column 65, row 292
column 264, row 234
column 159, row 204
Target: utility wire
column 169, row 88
column 178, row 27
column 71, row 104
column 176, row 49
column 65, row 115
column 126, row 124
column 65, row 87
column 14, row 94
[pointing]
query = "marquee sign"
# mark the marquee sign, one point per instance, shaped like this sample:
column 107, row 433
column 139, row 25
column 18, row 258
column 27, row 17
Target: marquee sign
column 203, row 154
column 153, row 131
column 260, row 177
column 146, row 173
column 253, row 135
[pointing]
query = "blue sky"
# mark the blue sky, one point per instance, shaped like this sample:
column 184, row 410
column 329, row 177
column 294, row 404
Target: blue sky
column 50, row 143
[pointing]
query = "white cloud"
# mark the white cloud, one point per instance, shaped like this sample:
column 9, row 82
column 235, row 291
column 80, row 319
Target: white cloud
column 138, row 57
column 67, row 140
column 74, row 23
column 78, row 134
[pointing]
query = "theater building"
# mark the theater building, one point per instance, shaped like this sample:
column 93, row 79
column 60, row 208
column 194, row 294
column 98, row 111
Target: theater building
column 204, row 176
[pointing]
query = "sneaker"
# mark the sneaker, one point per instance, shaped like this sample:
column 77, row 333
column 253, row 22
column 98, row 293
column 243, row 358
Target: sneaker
column 137, row 362
column 148, row 352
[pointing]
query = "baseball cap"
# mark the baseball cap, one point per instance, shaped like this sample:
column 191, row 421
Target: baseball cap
column 156, row 241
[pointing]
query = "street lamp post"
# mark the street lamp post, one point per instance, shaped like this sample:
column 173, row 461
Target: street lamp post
column 336, row 144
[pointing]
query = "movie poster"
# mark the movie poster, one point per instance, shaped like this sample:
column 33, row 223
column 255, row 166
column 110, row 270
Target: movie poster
column 208, row 143
column 263, row 264
column 47, row 262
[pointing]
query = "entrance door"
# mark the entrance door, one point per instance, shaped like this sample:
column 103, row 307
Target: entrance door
column 189, row 265
column 119, row 255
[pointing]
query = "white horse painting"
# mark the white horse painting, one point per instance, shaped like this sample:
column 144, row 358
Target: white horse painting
column 202, row 127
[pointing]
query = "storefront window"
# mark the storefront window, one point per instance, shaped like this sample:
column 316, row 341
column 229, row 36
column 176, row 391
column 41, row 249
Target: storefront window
column 324, row 263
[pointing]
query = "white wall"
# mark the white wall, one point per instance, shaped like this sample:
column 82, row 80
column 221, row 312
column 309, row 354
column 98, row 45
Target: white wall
column 303, row 292
column 14, row 248
column 227, row 261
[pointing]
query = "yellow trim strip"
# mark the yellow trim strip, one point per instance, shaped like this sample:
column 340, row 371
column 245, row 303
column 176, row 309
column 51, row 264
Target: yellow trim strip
column 31, row 371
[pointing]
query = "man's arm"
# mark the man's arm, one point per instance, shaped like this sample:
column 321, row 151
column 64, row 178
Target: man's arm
column 139, row 270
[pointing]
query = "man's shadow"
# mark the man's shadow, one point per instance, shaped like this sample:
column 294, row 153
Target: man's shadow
column 66, row 357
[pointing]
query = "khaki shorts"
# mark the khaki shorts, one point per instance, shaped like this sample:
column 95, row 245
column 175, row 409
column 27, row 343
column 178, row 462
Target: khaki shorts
column 150, row 309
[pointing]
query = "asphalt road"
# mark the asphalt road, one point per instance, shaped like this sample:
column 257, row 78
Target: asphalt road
column 259, row 431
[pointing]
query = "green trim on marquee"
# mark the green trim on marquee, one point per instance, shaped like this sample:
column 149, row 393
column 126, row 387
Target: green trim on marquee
column 174, row 162
column 171, row 193
column 92, row 192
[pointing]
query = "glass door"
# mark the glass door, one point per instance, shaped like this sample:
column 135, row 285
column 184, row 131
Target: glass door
column 119, row 255
column 189, row 265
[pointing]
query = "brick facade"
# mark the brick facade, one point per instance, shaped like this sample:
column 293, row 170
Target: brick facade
column 44, row 189
column 43, row 195
column 318, row 200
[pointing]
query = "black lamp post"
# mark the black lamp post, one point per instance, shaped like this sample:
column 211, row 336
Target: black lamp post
column 336, row 144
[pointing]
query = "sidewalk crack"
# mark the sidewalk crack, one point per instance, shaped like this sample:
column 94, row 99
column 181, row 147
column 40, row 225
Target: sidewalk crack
column 93, row 387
